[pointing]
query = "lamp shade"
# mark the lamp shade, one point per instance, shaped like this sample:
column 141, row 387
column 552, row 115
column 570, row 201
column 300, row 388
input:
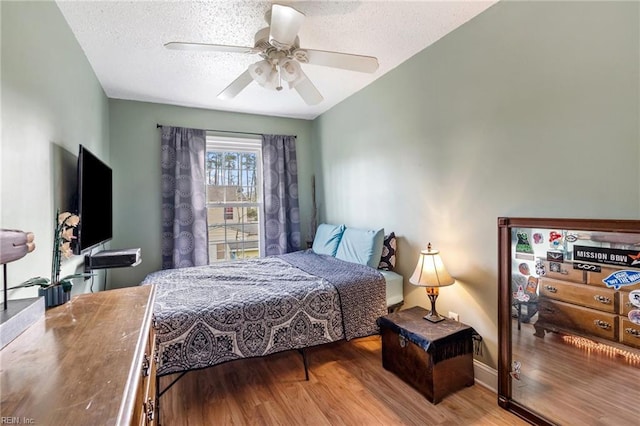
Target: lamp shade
column 430, row 270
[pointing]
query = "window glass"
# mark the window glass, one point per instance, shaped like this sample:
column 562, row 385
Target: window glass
column 234, row 198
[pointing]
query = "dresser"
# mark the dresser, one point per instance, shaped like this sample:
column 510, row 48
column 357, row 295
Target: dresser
column 89, row 361
column 578, row 301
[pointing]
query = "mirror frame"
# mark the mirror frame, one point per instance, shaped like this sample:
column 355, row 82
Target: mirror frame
column 505, row 226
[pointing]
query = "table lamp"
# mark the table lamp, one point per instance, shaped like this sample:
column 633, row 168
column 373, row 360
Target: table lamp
column 431, row 273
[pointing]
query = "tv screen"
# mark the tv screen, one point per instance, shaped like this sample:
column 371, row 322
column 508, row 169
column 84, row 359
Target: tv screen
column 94, row 201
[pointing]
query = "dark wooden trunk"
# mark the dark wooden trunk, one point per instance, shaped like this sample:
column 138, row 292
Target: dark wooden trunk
column 445, row 367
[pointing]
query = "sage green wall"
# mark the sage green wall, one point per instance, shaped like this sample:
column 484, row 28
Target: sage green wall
column 530, row 109
column 51, row 102
column 135, row 155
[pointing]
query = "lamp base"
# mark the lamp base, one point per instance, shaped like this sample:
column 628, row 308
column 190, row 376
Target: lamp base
column 433, row 317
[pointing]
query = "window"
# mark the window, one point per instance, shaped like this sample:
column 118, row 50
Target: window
column 234, row 198
column 228, row 213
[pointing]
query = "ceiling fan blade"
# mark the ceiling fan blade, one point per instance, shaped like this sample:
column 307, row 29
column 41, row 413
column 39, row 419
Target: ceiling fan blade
column 307, row 90
column 345, row 61
column 236, row 86
column 285, row 24
column 205, row 47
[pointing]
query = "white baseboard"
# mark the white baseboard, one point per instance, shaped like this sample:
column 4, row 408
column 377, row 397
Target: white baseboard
column 485, row 375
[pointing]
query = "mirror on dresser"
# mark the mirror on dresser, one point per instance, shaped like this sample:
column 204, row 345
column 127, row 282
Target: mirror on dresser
column 569, row 320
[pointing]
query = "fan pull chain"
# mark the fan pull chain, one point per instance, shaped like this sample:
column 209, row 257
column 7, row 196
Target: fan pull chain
column 279, row 88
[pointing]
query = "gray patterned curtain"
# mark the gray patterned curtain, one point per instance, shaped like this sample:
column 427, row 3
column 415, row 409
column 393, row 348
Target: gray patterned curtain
column 282, row 215
column 184, row 209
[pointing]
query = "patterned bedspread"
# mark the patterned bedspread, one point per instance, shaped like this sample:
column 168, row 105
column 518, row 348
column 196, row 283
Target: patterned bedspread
column 246, row 308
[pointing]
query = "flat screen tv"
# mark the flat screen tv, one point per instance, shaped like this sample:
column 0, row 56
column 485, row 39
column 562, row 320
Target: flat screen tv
column 94, row 201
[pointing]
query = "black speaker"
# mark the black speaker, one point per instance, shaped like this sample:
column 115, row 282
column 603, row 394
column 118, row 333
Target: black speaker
column 121, row 258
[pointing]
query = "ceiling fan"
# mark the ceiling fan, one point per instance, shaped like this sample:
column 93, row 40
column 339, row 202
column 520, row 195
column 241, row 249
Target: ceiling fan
column 279, row 47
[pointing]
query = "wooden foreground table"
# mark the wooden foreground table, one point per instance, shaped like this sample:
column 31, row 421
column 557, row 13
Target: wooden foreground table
column 81, row 362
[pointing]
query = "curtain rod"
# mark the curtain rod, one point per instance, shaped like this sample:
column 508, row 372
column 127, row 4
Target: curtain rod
column 227, row 131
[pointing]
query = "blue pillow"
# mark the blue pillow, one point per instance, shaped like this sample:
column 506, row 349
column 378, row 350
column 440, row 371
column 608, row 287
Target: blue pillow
column 361, row 246
column 327, row 239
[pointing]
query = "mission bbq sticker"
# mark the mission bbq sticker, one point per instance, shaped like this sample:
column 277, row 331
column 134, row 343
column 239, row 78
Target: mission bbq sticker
column 609, row 256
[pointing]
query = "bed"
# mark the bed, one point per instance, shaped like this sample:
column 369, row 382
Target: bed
column 207, row 315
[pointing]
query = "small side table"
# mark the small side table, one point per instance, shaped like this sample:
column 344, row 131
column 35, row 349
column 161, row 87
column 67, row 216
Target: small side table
column 434, row 358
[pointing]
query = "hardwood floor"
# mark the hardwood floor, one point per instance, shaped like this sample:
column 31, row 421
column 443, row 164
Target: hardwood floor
column 347, row 386
column 573, row 384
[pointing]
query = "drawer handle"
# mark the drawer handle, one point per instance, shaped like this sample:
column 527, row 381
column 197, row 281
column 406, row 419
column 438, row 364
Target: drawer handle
column 145, row 366
column 633, row 332
column 403, row 340
column 602, row 299
column 149, row 409
column 551, row 289
column 602, row 324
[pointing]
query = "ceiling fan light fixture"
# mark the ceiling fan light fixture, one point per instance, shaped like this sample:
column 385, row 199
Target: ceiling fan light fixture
column 279, row 47
column 272, row 82
column 289, row 69
column 260, row 71
column 265, row 74
column 299, row 79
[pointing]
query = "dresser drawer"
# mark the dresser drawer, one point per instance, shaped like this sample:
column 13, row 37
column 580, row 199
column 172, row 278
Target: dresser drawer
column 145, row 408
column 624, row 304
column 572, row 317
column 629, row 333
column 602, row 299
column 564, row 271
column 596, row 278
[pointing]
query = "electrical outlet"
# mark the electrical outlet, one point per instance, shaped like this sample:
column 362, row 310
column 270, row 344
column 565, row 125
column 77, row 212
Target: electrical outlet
column 454, row 316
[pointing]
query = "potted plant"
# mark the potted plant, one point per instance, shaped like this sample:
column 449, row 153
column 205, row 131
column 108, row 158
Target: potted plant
column 56, row 290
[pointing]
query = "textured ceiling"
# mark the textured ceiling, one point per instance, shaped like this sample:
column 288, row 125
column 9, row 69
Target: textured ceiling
column 123, row 41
